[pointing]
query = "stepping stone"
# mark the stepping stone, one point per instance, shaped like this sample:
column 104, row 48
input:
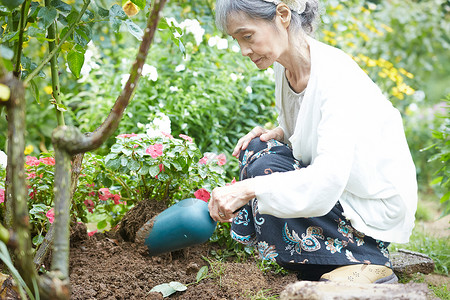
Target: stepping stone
column 316, row 290
column 405, row 262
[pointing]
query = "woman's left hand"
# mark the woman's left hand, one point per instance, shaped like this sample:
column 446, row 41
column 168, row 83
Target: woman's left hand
column 226, row 200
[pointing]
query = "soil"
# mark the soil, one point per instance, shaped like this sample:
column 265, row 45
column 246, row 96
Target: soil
column 112, row 266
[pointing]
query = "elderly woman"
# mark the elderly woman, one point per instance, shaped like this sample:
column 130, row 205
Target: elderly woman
column 326, row 191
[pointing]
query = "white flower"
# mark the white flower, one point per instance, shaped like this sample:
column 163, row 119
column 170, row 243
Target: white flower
column 150, row 71
column 270, row 74
column 233, row 76
column 413, row 107
column 248, row 89
column 222, row 44
column 180, row 68
column 217, row 41
column 124, row 79
column 193, row 26
column 3, row 159
column 161, row 123
column 195, row 74
column 235, row 48
column 173, row 89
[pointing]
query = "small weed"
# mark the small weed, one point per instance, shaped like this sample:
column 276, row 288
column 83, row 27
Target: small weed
column 262, row 295
column 217, row 269
column 270, row 266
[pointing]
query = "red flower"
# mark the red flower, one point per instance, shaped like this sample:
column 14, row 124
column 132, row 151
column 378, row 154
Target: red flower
column 222, row 159
column 116, row 198
column 155, row 150
column 92, row 194
column 202, row 194
column 104, row 194
column 167, row 134
column 90, row 185
column 185, row 137
column 89, row 204
column 203, row 160
column 50, row 215
column 2, row 195
column 126, row 135
column 32, row 161
column 48, row 161
column 91, row 233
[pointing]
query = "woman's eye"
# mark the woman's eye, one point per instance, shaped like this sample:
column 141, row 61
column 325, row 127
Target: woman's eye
column 247, row 37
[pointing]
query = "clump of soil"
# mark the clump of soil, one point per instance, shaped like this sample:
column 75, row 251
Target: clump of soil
column 138, row 216
column 78, row 234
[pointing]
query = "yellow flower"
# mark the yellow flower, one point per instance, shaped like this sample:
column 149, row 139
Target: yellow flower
column 28, row 149
column 102, row 38
column 371, row 63
column 387, row 28
column 48, row 89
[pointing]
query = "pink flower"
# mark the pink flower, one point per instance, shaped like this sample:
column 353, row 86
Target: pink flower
column 167, row 134
column 222, row 159
column 90, row 185
column 232, row 181
column 126, row 135
column 32, row 161
column 155, row 150
column 185, row 137
column 2, row 195
column 203, row 160
column 161, row 169
column 91, row 233
column 104, row 194
column 31, row 175
column 116, row 198
column 48, row 161
column 135, row 146
column 92, row 194
column 202, row 194
column 50, row 215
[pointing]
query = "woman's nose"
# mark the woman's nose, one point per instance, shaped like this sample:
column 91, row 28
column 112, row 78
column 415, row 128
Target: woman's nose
column 245, row 50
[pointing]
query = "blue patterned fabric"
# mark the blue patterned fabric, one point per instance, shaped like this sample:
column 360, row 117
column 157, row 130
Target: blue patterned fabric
column 326, row 240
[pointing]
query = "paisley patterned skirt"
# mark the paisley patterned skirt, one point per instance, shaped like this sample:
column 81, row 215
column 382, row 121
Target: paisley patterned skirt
column 295, row 243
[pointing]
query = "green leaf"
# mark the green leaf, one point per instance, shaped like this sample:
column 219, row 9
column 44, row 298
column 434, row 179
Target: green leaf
column 38, row 239
column 154, row 170
column 113, row 164
column 61, row 107
column 116, row 11
column 102, row 12
column 72, row 17
column 116, row 148
column 11, row 4
column 177, row 165
column 102, row 224
column 75, row 60
column 135, row 30
column 202, row 273
column 123, row 161
column 165, row 289
column 46, row 16
column 134, row 165
column 35, row 91
column 6, row 53
column 178, row 286
column 139, row 3
column 61, row 6
column 127, row 151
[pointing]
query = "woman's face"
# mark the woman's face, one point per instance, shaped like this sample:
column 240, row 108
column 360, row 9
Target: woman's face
column 263, row 42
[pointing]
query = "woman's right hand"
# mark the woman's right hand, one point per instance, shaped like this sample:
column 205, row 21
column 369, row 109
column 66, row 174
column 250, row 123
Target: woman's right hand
column 264, row 135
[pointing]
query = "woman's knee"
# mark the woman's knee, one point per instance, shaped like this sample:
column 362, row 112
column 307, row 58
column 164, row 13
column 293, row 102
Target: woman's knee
column 254, row 146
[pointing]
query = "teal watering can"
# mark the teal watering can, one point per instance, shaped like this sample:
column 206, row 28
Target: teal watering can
column 182, row 225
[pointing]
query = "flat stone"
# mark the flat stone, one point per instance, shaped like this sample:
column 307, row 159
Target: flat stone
column 405, row 262
column 316, row 290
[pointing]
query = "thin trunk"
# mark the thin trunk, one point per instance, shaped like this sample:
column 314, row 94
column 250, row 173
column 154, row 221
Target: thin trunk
column 51, row 34
column 17, row 184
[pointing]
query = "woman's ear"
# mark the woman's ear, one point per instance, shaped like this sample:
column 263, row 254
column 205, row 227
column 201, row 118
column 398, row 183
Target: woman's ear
column 284, row 13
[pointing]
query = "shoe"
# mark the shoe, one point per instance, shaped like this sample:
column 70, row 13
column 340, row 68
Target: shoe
column 361, row 274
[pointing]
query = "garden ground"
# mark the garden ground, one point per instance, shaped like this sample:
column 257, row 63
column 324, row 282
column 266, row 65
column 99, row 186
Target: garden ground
column 105, row 266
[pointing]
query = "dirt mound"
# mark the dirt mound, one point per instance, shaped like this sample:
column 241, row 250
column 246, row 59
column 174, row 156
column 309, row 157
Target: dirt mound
column 137, row 216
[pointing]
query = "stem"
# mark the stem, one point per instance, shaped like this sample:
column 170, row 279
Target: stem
column 19, row 45
column 51, row 34
column 17, row 187
column 61, row 42
column 60, row 260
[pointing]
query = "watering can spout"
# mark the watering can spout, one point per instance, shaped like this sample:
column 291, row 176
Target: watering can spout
column 182, row 225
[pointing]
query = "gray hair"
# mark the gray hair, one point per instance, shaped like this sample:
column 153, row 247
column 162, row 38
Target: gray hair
column 260, row 9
